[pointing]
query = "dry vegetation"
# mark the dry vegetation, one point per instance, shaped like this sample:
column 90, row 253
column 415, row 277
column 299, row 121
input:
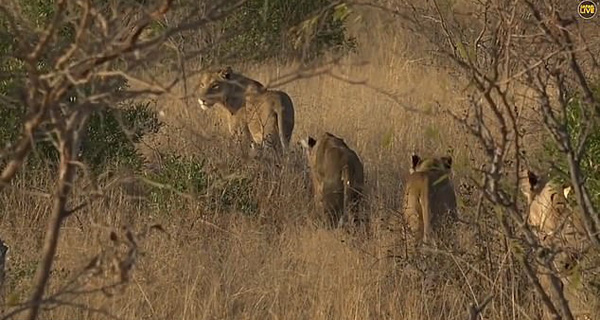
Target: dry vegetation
column 267, row 255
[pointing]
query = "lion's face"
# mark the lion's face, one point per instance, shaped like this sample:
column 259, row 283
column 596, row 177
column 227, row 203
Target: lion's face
column 443, row 164
column 547, row 200
column 214, row 87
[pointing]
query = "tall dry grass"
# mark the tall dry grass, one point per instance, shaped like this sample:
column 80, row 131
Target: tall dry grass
column 279, row 263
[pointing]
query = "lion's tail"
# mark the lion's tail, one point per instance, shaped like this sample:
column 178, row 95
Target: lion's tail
column 426, row 214
column 345, row 177
column 281, row 119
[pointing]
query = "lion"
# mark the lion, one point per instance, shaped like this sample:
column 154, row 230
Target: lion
column 429, row 196
column 548, row 210
column 557, row 226
column 257, row 115
column 337, row 177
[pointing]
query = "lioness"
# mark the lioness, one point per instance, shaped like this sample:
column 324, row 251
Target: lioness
column 548, row 209
column 337, row 176
column 255, row 112
column 429, row 195
column 556, row 226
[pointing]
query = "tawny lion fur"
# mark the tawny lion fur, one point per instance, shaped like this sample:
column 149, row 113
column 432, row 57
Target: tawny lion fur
column 556, row 225
column 337, row 176
column 548, row 209
column 263, row 116
column 429, row 196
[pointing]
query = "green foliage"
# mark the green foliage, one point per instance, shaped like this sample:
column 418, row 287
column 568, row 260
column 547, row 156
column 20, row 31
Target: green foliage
column 109, row 142
column 577, row 116
column 177, row 175
column 263, row 29
column 39, row 12
column 9, row 65
column 590, row 162
column 184, row 175
column 10, row 123
column 111, row 136
column 237, row 194
column 11, row 128
column 180, row 175
column 111, row 132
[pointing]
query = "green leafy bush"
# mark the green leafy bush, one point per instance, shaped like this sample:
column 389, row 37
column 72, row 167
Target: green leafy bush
column 263, row 29
column 590, row 160
column 237, row 194
column 112, row 134
column 110, row 138
column 44, row 153
column 177, row 175
column 181, row 174
column 187, row 175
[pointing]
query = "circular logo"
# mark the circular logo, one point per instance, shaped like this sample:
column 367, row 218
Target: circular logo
column 587, row 9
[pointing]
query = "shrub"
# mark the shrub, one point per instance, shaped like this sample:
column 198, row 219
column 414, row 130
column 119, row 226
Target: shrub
column 237, row 194
column 577, row 113
column 181, row 175
column 112, row 134
column 263, row 29
column 110, row 138
column 187, row 175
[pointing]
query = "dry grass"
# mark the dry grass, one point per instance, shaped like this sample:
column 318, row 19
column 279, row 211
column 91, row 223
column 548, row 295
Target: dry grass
column 278, row 263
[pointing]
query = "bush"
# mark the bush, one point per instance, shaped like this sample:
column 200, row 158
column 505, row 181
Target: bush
column 590, row 160
column 263, row 29
column 112, row 134
column 179, row 175
column 11, row 127
column 110, row 138
column 237, row 194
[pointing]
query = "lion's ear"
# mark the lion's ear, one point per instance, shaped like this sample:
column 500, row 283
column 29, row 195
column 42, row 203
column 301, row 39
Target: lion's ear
column 447, row 161
column 415, row 160
column 566, row 191
column 532, row 179
column 308, row 143
column 226, row 72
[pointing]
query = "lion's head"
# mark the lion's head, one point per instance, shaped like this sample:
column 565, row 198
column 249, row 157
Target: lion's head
column 547, row 201
column 225, row 87
column 336, row 172
column 430, row 164
column 429, row 195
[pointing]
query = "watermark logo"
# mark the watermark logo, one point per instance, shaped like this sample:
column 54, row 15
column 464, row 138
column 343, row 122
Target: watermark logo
column 587, row 9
